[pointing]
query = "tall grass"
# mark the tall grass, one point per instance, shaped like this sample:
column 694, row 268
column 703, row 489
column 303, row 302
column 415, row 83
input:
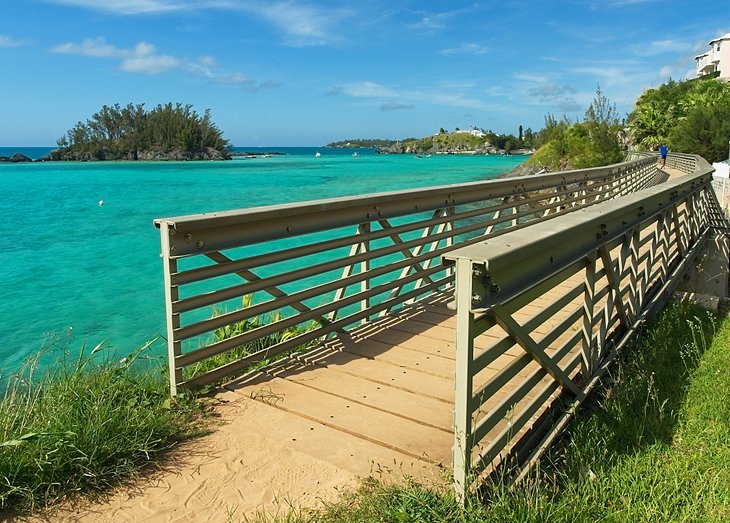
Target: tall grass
column 83, row 424
column 652, row 446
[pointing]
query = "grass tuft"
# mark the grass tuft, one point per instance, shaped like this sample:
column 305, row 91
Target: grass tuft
column 82, row 425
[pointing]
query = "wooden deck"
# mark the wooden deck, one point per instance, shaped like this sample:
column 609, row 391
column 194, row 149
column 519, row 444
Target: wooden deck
column 386, row 391
column 388, row 384
column 382, row 396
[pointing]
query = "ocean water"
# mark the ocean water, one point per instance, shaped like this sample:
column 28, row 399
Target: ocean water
column 80, row 263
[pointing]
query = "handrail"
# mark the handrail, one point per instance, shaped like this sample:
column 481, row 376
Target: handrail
column 597, row 274
column 682, row 162
column 317, row 268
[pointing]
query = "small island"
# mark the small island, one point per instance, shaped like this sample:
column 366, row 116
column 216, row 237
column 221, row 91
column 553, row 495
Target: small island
column 167, row 132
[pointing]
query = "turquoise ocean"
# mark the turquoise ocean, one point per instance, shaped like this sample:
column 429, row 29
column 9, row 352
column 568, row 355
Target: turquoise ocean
column 75, row 271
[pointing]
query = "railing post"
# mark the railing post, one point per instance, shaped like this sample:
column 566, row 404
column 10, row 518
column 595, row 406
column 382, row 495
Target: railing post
column 463, row 377
column 174, row 347
column 588, row 357
column 364, row 247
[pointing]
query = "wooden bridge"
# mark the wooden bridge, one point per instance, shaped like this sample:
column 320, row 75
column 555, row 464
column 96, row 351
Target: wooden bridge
column 452, row 327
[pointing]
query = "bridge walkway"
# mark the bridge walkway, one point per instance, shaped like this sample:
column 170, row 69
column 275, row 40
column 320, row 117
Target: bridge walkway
column 377, row 401
column 382, row 395
column 386, row 389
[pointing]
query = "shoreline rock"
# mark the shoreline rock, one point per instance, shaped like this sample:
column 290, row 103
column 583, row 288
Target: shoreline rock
column 15, row 158
column 175, row 155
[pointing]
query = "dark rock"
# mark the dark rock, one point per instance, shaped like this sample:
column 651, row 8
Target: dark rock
column 175, row 155
column 16, row 158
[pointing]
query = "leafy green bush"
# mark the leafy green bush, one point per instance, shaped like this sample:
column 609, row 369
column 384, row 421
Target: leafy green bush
column 577, row 145
column 259, row 344
column 690, row 116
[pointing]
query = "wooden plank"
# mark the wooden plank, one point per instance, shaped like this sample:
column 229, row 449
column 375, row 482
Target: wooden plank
column 401, row 356
column 384, row 373
column 371, row 424
column 427, row 411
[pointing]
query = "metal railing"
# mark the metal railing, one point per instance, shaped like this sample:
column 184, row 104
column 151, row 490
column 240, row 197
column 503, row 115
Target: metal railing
column 244, row 286
column 554, row 303
column 682, row 162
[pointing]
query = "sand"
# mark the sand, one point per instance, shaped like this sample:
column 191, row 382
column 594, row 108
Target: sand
column 257, row 460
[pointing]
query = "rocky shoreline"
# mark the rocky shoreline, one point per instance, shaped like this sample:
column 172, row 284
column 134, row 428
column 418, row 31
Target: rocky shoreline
column 464, row 149
column 175, row 155
column 15, row 158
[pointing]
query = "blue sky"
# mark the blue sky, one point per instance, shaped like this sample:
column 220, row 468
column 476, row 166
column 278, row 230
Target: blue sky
column 284, row 72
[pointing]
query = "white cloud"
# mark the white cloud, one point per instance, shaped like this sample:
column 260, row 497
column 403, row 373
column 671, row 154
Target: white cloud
column 149, row 64
column 608, row 76
column 131, row 7
column 661, row 46
column 433, row 21
column 530, row 77
column 474, row 49
column 438, row 95
column 666, row 71
column 367, row 90
column 142, row 58
column 301, row 24
column 9, row 41
column 96, row 47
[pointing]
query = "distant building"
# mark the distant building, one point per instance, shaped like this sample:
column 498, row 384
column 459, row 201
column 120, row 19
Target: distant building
column 716, row 59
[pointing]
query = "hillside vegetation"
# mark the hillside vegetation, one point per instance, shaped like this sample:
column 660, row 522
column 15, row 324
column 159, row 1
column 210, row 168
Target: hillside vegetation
column 486, row 142
column 597, row 140
column 690, row 117
column 362, row 142
column 167, row 132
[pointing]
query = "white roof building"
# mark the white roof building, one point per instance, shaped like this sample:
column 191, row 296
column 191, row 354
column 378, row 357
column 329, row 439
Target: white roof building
column 716, row 59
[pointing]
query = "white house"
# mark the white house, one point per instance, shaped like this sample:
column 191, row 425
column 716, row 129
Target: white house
column 716, row 59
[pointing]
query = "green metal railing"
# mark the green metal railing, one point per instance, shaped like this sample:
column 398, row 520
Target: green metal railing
column 245, row 286
column 567, row 294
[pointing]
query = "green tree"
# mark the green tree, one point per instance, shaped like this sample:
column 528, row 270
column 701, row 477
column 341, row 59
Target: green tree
column 686, row 116
column 704, row 130
column 122, row 132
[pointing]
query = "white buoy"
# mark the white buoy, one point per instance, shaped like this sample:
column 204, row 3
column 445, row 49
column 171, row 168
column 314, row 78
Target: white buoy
column 101, row 202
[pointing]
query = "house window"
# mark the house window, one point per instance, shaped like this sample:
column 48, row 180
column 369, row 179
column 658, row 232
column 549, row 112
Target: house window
column 718, row 46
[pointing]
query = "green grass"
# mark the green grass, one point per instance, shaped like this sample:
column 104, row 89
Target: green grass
column 652, row 446
column 83, row 425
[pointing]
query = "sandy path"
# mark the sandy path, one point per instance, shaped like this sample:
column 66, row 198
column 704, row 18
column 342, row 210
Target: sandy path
column 247, row 465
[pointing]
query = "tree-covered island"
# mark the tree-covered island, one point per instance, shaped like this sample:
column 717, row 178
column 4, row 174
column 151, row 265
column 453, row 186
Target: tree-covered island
column 167, row 132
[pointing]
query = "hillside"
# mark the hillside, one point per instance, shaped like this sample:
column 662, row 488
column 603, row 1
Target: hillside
column 463, row 142
column 363, row 142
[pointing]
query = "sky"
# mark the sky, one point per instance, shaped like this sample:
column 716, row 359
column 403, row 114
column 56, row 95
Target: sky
column 305, row 73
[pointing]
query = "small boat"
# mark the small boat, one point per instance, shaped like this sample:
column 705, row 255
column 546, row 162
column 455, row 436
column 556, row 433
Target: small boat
column 317, row 154
column 355, row 155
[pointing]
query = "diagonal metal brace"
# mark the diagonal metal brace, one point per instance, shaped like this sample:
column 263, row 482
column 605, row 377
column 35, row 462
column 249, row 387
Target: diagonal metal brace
column 514, row 329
